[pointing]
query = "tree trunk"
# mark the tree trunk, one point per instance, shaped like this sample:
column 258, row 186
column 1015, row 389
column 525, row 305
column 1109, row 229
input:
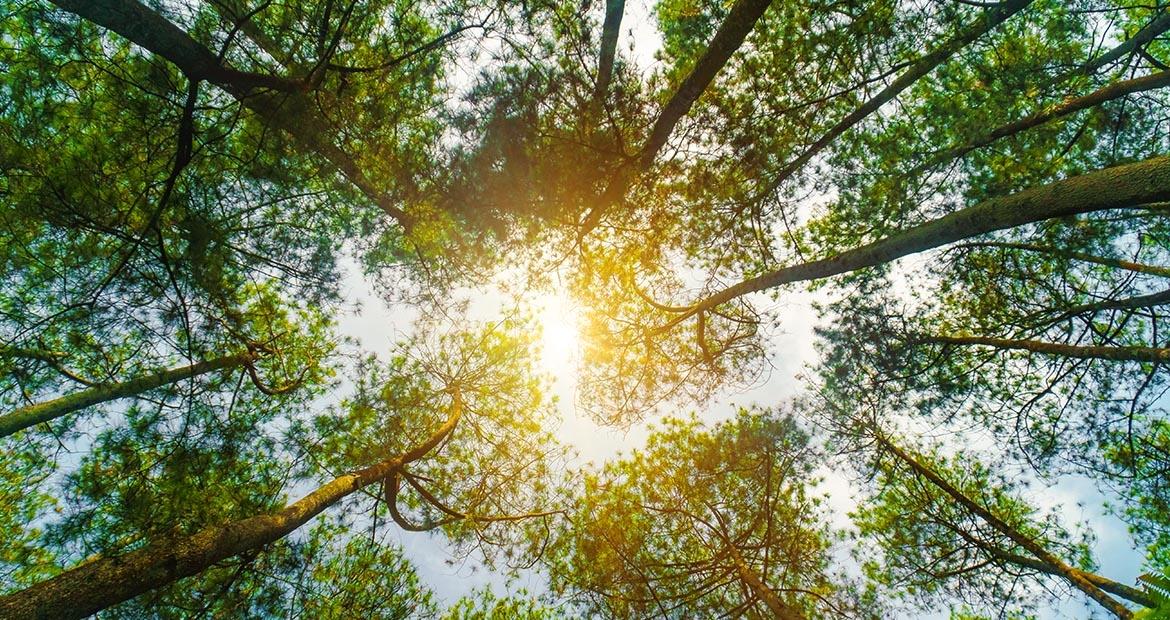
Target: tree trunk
column 609, row 39
column 739, row 22
column 1056, row 565
column 32, row 415
column 773, row 601
column 1117, row 354
column 1120, row 589
column 991, row 18
column 100, row 583
column 1119, row 187
column 291, row 112
column 1113, row 91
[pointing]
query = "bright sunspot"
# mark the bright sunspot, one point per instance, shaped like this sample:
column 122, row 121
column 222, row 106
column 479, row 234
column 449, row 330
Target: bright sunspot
column 560, row 341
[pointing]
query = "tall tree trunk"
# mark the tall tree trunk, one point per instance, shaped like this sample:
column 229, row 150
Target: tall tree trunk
column 32, row 415
column 775, row 604
column 728, row 38
column 610, row 30
column 1129, row 593
column 1119, row 187
column 103, row 582
column 1113, row 91
column 1058, row 566
column 1154, row 270
column 1160, row 24
column 991, row 18
column 292, row 111
column 1117, row 354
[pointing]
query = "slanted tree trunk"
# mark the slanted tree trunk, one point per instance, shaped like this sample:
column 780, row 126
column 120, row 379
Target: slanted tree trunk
column 991, row 18
column 776, row 605
column 32, row 415
column 1055, row 564
column 1117, row 354
column 610, row 30
column 1119, row 187
column 291, row 112
column 1129, row 593
column 107, row 581
column 728, row 38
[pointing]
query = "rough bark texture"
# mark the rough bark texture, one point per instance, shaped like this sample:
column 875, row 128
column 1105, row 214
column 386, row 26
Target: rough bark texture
column 107, row 581
column 1070, row 574
column 32, row 415
column 290, row 110
column 991, row 18
column 1117, row 354
column 1119, row 187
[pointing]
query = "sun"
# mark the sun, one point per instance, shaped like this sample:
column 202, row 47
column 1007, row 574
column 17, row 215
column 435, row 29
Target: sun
column 560, row 337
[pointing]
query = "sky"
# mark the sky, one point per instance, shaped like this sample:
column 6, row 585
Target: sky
column 377, row 326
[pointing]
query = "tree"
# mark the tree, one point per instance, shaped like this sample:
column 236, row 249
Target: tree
column 715, row 522
column 892, row 180
column 491, row 405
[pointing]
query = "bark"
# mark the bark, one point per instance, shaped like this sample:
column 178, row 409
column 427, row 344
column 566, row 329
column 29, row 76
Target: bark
column 1129, row 593
column 1157, row 26
column 1055, row 564
column 291, row 110
column 1116, row 354
column 991, row 18
column 610, row 30
column 728, row 38
column 1113, row 91
column 152, row 31
column 775, row 604
column 1128, row 303
column 32, row 415
column 107, row 581
column 1120, row 187
column 1080, row 256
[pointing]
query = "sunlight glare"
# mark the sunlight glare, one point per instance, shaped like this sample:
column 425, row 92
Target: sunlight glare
column 560, row 341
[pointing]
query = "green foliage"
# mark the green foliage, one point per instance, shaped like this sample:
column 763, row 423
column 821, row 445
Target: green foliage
column 660, row 530
column 485, row 605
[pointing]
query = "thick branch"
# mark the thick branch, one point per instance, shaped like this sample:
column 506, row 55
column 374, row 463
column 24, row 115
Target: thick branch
column 1157, row 26
column 1111, row 188
column 989, row 20
column 32, row 415
column 1117, row 354
column 775, row 604
column 1072, row 575
column 1113, row 91
column 1120, row 589
column 101, row 583
column 152, row 31
column 1080, row 256
column 291, row 111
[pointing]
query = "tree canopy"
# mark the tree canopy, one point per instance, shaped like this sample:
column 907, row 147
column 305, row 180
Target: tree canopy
column 974, row 196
